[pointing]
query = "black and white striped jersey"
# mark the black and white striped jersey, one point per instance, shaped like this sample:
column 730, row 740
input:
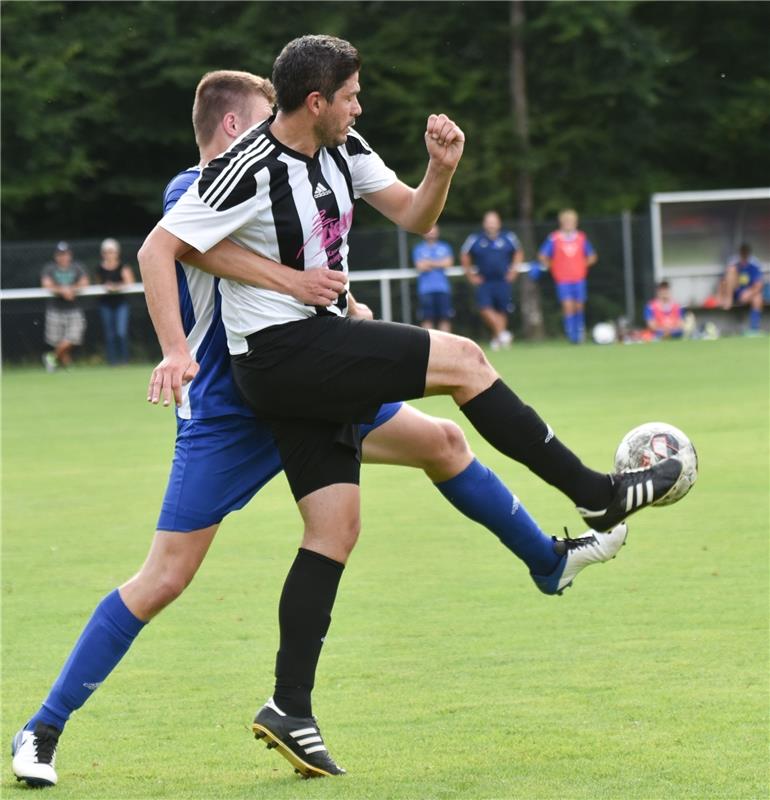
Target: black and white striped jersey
column 283, row 205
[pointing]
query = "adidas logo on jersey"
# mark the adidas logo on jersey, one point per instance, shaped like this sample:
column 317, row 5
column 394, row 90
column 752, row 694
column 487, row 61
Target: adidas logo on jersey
column 321, row 191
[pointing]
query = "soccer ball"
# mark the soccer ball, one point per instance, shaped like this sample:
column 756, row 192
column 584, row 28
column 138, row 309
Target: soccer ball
column 604, row 333
column 653, row 442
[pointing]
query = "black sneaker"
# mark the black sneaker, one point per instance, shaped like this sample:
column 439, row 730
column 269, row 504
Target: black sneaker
column 34, row 755
column 633, row 490
column 297, row 739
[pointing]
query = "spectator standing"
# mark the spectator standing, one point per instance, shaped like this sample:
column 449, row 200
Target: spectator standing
column 663, row 314
column 569, row 255
column 489, row 259
column 114, row 275
column 431, row 257
column 742, row 286
column 65, row 322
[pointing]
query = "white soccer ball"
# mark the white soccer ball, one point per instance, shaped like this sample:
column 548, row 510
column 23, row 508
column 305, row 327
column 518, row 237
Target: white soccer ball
column 604, row 333
column 656, row 441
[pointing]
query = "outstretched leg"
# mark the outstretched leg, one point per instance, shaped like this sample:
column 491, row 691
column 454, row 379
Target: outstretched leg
column 440, row 449
column 458, row 367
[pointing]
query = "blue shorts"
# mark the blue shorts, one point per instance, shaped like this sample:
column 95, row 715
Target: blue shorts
column 496, row 295
column 577, row 291
column 220, row 464
column 436, row 306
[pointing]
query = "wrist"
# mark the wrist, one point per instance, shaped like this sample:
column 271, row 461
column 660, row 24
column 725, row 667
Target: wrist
column 440, row 170
column 286, row 280
column 177, row 349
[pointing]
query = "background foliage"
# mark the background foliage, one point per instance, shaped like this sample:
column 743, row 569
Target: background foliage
column 625, row 98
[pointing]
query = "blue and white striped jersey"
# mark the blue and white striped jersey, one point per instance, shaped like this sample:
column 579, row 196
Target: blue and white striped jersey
column 212, row 393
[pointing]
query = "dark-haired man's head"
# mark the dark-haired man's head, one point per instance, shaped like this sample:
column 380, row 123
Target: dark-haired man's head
column 318, row 75
column 310, row 64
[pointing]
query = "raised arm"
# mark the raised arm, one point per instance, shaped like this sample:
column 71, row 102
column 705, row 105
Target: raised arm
column 416, row 210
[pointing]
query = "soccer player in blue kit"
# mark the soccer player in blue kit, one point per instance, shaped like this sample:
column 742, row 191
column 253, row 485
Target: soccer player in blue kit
column 224, row 455
column 431, row 257
column 490, row 259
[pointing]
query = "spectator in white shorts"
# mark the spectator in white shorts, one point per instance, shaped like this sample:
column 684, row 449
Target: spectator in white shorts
column 65, row 322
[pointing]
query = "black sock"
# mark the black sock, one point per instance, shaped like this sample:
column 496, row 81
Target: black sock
column 304, row 615
column 517, row 431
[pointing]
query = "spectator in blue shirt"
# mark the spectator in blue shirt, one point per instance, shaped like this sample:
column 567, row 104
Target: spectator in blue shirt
column 741, row 285
column 431, row 257
column 490, row 259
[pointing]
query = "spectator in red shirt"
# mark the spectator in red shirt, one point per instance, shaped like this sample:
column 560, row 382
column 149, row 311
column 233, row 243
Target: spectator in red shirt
column 663, row 314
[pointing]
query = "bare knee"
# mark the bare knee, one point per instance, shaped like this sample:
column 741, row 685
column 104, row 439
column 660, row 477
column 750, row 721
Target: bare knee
column 332, row 520
column 333, row 541
column 449, row 455
column 474, row 372
column 149, row 592
column 470, row 363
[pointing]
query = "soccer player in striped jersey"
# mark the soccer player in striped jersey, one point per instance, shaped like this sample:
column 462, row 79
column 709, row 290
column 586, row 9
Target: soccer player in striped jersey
column 286, row 190
column 223, row 456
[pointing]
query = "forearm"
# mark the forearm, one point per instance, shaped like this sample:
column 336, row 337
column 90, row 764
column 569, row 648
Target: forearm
column 157, row 266
column 233, row 262
column 427, row 201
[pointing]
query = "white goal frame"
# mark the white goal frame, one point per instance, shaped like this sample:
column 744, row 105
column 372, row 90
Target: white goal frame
column 691, row 283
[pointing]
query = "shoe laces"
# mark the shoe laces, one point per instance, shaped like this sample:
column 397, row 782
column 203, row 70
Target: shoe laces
column 576, row 544
column 45, row 747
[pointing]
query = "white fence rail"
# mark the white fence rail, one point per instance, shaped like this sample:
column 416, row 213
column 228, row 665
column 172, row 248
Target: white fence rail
column 384, row 277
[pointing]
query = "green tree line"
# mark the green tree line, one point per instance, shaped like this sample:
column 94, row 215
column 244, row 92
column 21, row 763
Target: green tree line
column 624, row 98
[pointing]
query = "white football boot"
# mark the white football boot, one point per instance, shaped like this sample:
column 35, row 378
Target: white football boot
column 34, row 755
column 590, row 548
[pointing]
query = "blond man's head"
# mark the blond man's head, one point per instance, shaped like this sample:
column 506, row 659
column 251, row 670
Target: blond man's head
column 229, row 92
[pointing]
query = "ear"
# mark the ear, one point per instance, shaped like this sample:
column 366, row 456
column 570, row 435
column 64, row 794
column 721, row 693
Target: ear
column 315, row 103
column 230, row 124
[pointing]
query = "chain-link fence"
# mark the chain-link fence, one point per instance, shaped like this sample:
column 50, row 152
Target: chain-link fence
column 619, row 283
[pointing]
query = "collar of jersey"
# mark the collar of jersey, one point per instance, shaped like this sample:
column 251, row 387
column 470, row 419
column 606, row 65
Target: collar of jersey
column 285, row 148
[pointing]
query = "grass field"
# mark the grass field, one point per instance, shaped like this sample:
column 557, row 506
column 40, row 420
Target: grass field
column 445, row 674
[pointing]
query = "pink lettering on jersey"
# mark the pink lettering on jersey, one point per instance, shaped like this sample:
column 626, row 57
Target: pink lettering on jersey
column 328, row 231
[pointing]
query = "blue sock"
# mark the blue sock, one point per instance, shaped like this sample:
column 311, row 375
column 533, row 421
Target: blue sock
column 755, row 315
column 580, row 325
column 479, row 494
column 572, row 326
column 104, row 641
column 567, row 320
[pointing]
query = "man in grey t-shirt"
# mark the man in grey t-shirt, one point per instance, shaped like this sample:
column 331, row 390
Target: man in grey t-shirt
column 65, row 322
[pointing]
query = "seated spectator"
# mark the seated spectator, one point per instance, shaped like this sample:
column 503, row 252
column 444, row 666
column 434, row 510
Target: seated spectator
column 664, row 315
column 65, row 322
column 114, row 275
column 741, row 285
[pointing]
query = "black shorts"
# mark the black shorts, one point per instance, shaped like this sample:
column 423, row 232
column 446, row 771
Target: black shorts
column 314, row 381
